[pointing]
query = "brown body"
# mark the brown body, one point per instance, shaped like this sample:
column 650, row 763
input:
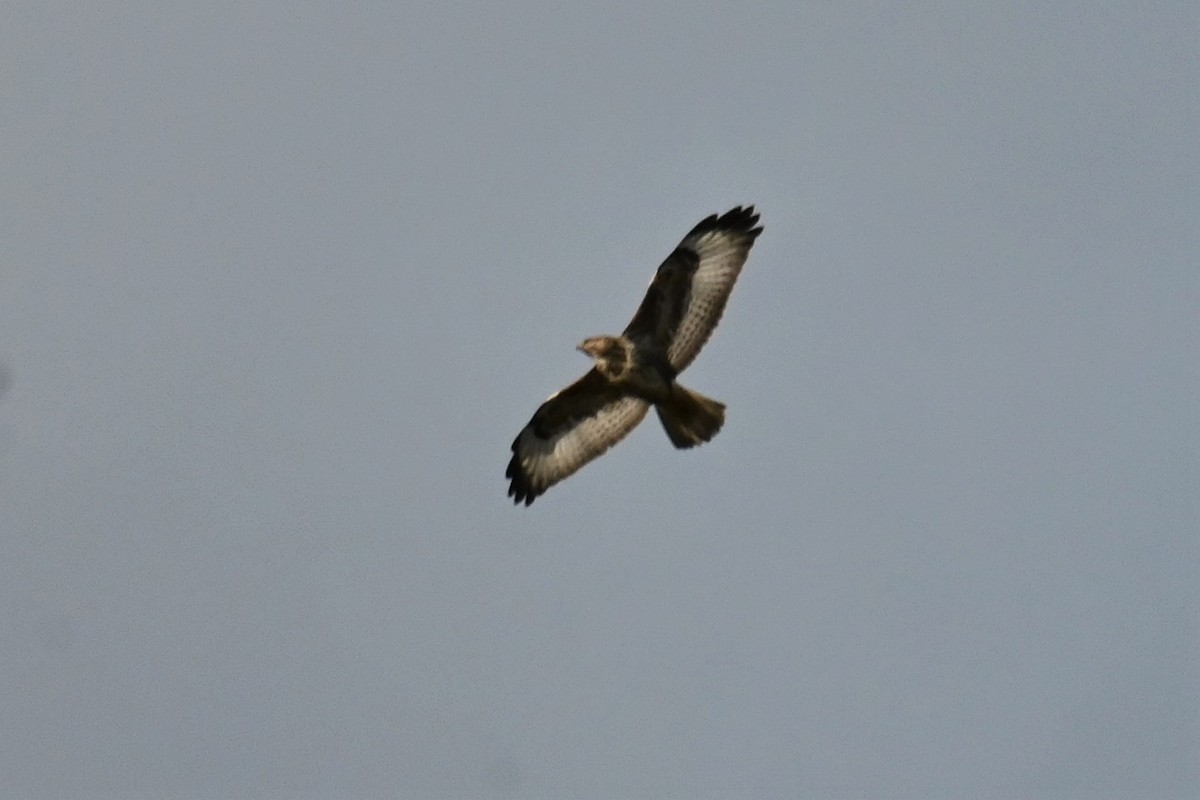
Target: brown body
column 688, row 417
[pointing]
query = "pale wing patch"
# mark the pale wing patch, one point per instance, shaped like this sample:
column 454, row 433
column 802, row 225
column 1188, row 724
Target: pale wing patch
column 539, row 463
column 722, row 254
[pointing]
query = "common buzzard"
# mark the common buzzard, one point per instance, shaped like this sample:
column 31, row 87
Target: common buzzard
column 637, row 369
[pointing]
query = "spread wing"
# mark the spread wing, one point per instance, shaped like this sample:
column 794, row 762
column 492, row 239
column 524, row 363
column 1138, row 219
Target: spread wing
column 688, row 294
column 569, row 430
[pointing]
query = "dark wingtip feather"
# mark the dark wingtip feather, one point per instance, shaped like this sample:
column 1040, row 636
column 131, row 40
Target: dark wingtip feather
column 739, row 219
column 520, row 489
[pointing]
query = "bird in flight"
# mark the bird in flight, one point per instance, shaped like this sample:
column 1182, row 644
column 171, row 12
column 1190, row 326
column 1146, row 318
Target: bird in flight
column 637, row 369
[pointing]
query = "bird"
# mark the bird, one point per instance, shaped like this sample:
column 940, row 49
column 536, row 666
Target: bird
column 638, row 369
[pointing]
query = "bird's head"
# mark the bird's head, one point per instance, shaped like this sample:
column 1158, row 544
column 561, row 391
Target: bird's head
column 598, row 347
column 611, row 353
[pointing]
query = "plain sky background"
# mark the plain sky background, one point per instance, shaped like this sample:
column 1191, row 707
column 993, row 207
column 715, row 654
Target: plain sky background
column 280, row 282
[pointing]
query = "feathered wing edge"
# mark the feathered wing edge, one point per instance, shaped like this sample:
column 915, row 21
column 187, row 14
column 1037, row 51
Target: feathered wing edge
column 567, row 431
column 687, row 296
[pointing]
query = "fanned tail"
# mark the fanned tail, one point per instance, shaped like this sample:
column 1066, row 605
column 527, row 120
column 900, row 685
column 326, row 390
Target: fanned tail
column 690, row 418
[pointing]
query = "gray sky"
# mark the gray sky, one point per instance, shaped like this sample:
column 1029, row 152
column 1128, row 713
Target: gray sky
column 282, row 281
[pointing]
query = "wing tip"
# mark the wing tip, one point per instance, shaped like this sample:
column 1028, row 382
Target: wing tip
column 739, row 219
column 521, row 489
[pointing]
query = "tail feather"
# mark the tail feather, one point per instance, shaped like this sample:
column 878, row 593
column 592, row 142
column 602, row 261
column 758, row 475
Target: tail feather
column 690, row 418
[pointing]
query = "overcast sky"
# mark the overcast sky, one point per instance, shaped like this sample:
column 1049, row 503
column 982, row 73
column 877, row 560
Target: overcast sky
column 281, row 281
